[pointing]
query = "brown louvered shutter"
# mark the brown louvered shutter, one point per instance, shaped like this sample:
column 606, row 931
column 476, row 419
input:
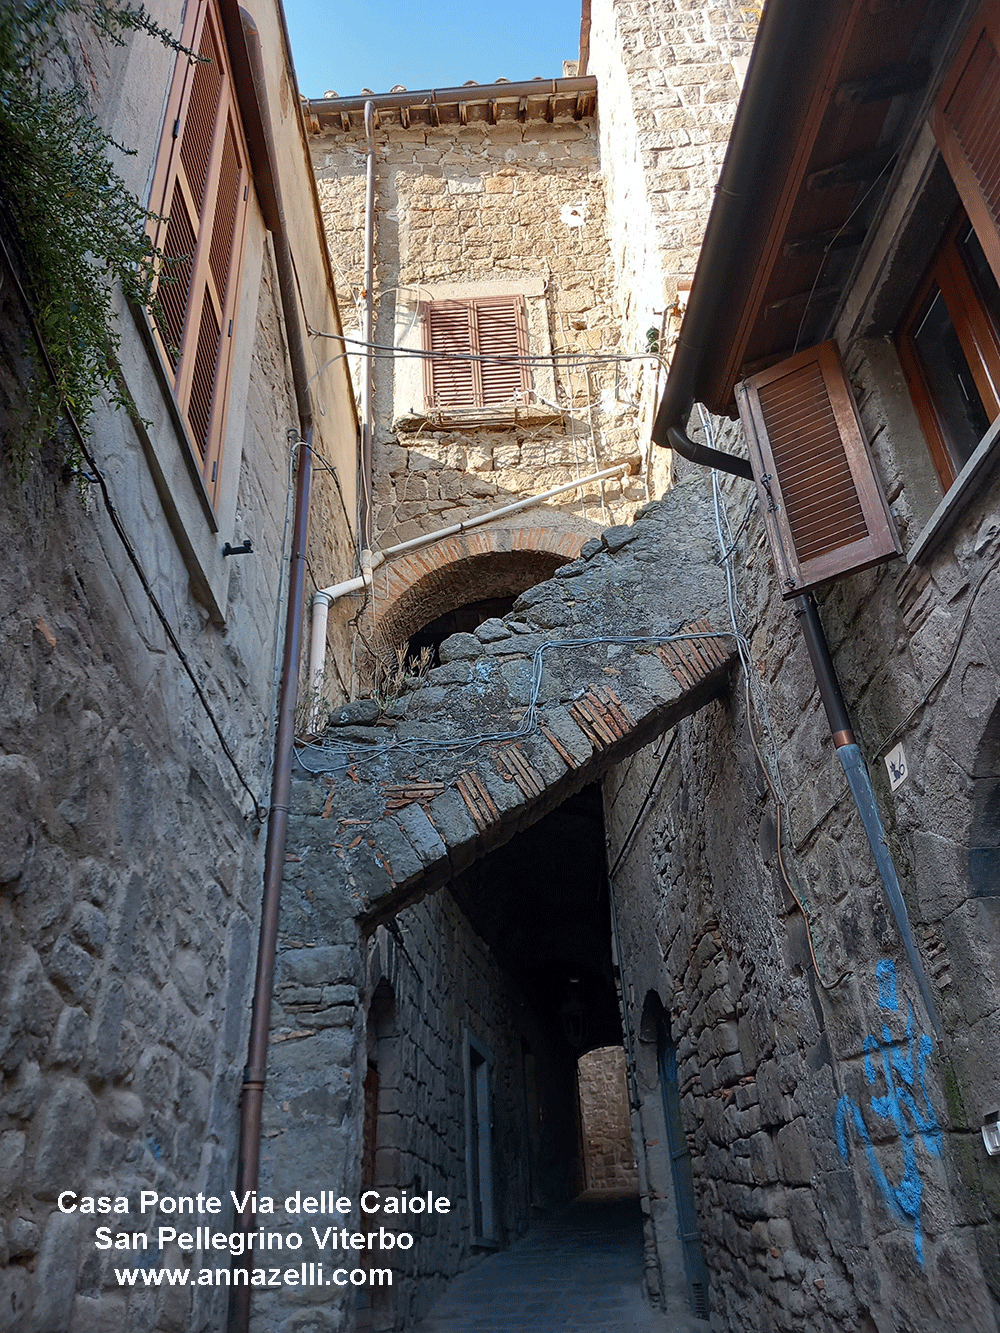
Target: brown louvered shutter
column 449, row 333
column 501, row 332
column 205, row 178
column 822, row 503
column 965, row 120
column 480, row 329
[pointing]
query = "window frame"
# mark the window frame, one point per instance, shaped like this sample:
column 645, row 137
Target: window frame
column 200, row 383
column 977, row 334
column 474, row 308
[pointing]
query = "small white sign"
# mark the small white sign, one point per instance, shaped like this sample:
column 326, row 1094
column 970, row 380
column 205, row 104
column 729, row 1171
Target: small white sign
column 895, row 762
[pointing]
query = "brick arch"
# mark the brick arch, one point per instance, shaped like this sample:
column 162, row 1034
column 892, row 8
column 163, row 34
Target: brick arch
column 471, row 566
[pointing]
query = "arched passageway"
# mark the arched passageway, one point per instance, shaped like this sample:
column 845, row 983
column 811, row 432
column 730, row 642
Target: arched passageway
column 512, row 1088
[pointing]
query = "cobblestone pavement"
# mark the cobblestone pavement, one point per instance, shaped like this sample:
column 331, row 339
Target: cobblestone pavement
column 580, row 1268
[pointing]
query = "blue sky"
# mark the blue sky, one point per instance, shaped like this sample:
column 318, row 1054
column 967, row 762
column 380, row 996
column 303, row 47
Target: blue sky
column 380, row 43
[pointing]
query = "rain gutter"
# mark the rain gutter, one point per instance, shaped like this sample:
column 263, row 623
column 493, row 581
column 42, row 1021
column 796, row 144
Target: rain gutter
column 255, row 1073
column 367, row 394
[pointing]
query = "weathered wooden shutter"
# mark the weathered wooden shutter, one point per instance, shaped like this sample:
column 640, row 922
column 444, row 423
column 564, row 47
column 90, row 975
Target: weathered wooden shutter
column 965, row 119
column 450, row 381
column 205, row 188
column 501, row 332
column 480, row 328
column 823, row 505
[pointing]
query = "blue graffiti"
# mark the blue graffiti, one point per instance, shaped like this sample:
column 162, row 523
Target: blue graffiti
column 899, row 1070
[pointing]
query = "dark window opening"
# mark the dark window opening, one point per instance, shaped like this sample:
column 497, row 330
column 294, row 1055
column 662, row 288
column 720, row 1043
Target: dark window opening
column 949, row 347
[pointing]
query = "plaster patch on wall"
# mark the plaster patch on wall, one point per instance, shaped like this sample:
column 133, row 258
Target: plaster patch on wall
column 573, row 215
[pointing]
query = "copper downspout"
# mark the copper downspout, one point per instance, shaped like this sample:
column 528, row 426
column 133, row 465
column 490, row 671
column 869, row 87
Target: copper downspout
column 255, row 1074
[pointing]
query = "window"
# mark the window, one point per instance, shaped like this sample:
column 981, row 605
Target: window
column 455, row 332
column 201, row 190
column 823, row 507
column 949, row 348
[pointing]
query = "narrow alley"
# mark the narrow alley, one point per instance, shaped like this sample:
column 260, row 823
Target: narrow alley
column 578, row 1268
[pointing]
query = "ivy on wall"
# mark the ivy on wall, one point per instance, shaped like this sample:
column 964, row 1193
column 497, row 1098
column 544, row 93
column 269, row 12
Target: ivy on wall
column 68, row 221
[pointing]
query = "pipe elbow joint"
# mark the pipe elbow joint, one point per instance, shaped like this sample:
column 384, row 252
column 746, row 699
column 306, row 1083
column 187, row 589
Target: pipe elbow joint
column 678, row 439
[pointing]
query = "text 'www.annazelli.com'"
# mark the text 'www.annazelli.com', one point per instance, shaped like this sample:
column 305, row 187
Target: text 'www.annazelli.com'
column 306, row 1275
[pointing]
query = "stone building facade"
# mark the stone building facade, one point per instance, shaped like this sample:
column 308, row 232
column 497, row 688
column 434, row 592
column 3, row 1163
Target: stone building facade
column 498, row 196
column 827, row 1083
column 131, row 866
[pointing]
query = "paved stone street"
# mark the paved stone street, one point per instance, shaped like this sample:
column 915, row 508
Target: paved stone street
column 579, row 1268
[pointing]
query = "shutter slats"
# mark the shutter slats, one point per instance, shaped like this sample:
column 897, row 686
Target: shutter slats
column 824, row 509
column 974, row 111
column 227, row 202
column 964, row 120
column 172, row 294
column 207, row 183
column 199, row 124
column 491, row 331
column 450, row 334
column 203, row 382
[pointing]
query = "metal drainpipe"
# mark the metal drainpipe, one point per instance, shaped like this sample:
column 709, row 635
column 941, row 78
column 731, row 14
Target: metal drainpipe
column 859, row 780
column 274, row 855
column 366, row 365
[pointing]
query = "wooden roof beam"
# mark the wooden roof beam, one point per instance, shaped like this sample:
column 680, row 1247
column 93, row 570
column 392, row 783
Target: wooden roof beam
column 822, row 242
column 851, row 171
column 811, row 297
column 883, row 84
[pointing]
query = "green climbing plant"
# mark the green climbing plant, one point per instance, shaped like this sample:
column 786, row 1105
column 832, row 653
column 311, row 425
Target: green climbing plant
column 72, row 227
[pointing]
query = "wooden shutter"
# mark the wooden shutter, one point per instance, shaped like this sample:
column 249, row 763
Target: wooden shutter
column 203, row 187
column 822, row 502
column 480, row 328
column 966, row 122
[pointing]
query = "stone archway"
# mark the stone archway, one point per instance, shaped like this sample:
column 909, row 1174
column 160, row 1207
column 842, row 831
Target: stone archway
column 490, row 562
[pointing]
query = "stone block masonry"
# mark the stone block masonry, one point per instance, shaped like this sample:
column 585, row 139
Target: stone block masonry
column 131, row 861
column 520, row 204
column 793, row 1017
column 609, row 1159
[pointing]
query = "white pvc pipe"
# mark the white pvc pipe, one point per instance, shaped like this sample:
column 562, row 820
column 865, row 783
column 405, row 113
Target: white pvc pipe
column 367, row 498
column 371, row 560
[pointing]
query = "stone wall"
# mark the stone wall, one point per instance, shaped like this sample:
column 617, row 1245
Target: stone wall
column 608, row 1155
column 402, row 1004
column 669, row 75
column 130, row 875
column 840, row 1175
column 466, row 205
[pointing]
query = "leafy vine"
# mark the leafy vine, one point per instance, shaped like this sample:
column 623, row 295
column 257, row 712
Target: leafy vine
column 75, row 230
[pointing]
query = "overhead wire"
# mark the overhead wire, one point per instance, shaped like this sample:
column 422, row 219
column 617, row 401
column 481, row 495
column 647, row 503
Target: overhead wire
column 758, row 706
column 529, row 722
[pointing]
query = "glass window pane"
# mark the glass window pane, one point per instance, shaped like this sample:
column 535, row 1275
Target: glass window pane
column 978, row 268
column 953, row 392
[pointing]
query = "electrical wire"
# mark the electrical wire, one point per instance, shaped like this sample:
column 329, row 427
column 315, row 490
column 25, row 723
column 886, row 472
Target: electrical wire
column 293, row 440
column 829, row 246
column 759, row 706
column 527, row 359
column 116, row 523
column 529, row 723
column 627, row 841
